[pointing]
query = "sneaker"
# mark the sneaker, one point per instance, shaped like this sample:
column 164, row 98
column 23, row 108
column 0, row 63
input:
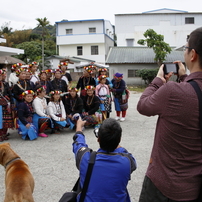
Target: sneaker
column 122, row 119
column 43, row 135
column 117, row 118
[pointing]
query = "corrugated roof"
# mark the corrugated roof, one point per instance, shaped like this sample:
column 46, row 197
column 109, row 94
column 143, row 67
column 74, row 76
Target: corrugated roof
column 120, row 55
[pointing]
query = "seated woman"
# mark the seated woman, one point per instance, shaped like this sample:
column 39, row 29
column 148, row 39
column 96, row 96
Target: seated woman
column 102, row 91
column 56, row 110
column 25, row 113
column 91, row 107
column 73, row 106
column 41, row 119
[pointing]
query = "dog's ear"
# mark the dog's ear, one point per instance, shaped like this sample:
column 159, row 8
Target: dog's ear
column 2, row 153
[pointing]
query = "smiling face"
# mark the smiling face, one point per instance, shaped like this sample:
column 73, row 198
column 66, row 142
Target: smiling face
column 90, row 92
column 73, row 93
column 22, row 75
column 57, row 75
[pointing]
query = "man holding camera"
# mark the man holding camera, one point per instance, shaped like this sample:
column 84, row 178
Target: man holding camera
column 175, row 167
column 113, row 165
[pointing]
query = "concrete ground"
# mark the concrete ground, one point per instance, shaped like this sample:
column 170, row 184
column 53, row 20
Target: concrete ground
column 52, row 163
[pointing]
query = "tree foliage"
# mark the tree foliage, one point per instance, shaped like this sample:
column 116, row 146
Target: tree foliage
column 147, row 74
column 156, row 41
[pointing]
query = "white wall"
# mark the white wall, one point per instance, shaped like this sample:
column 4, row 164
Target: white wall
column 171, row 25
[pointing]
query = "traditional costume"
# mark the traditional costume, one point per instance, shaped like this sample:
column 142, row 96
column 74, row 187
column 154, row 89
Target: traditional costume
column 25, row 116
column 120, row 96
column 58, row 83
column 65, row 75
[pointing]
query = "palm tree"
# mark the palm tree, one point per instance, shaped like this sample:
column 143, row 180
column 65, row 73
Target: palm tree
column 43, row 23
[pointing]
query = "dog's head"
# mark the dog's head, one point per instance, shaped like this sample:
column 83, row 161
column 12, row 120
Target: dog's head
column 6, row 153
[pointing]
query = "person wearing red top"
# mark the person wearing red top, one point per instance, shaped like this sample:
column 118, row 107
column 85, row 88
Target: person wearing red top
column 175, row 167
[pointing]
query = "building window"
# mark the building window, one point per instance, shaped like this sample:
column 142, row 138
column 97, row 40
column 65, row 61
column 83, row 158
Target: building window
column 132, row 73
column 94, row 50
column 79, row 50
column 92, row 30
column 189, row 20
column 69, row 31
column 129, row 42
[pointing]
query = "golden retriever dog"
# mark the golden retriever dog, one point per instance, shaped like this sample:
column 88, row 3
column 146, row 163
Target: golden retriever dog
column 18, row 179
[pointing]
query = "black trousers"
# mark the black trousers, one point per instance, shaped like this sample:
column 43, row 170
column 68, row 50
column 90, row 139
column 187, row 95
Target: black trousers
column 150, row 193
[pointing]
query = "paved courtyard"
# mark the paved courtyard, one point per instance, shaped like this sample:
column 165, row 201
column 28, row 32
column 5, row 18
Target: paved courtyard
column 52, row 163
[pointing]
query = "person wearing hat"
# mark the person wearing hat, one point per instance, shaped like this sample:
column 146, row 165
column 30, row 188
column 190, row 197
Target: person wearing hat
column 49, row 74
column 13, row 78
column 6, row 119
column 33, row 69
column 65, row 75
column 25, row 112
column 57, row 83
column 73, row 106
column 21, row 85
column 56, row 110
column 85, row 80
column 91, row 107
column 120, row 96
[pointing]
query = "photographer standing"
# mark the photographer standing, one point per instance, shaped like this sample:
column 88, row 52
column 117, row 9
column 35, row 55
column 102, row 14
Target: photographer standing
column 175, row 167
column 113, row 164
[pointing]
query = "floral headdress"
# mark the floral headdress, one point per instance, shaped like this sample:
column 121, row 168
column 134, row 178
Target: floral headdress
column 58, row 70
column 103, row 70
column 73, row 88
column 18, row 71
column 93, row 67
column 48, row 71
column 39, row 90
column 101, row 77
column 28, row 92
column 55, row 92
column 63, row 64
column 89, row 88
column 16, row 65
column 88, row 69
column 33, row 63
column 43, row 71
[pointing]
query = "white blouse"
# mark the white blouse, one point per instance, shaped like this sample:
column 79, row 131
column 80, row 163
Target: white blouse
column 56, row 108
column 40, row 106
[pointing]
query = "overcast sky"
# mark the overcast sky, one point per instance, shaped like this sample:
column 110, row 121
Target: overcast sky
column 22, row 14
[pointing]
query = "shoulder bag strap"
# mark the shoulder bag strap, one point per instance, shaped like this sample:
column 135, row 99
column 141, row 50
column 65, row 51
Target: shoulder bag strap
column 199, row 94
column 88, row 175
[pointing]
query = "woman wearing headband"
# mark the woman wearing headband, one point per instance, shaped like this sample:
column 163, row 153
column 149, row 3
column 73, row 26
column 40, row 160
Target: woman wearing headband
column 33, row 69
column 21, row 85
column 41, row 117
column 73, row 106
column 25, row 111
column 65, row 75
column 6, row 119
column 56, row 110
column 13, row 77
column 104, row 71
column 91, row 107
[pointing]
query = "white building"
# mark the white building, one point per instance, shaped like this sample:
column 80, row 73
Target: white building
column 175, row 25
column 89, row 39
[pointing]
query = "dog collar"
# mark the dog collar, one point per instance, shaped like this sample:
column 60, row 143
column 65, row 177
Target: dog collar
column 11, row 161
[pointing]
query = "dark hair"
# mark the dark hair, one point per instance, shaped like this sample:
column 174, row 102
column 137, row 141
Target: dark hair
column 109, row 135
column 195, row 42
column 52, row 98
column 37, row 87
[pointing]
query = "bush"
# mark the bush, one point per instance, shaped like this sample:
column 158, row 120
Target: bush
column 147, row 74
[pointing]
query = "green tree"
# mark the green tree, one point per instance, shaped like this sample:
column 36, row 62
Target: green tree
column 32, row 51
column 156, row 41
column 43, row 23
column 147, row 74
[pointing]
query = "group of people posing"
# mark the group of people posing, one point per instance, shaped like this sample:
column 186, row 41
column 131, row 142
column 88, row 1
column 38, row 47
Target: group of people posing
column 33, row 101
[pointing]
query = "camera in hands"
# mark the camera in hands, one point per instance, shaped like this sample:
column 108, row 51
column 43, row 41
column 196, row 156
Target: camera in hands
column 171, row 67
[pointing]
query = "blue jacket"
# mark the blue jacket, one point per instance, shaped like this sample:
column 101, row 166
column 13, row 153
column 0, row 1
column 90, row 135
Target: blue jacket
column 110, row 174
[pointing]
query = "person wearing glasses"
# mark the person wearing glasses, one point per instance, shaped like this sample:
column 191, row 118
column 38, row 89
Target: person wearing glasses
column 175, row 166
column 113, row 164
